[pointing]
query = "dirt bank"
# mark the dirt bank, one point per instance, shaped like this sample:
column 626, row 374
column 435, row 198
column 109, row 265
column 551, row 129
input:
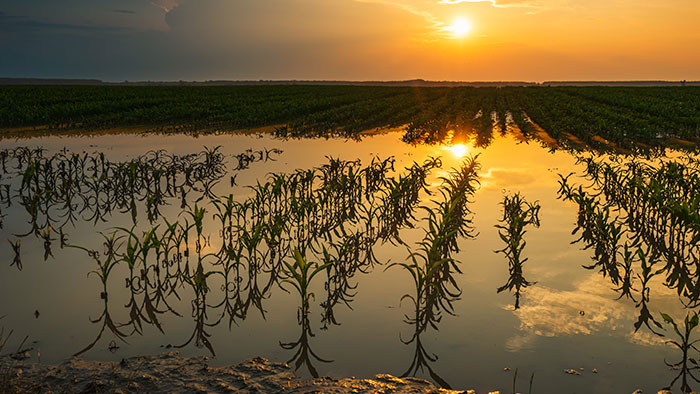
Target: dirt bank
column 172, row 373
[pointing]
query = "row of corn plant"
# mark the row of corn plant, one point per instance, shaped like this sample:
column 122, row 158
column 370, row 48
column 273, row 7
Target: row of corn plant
column 641, row 220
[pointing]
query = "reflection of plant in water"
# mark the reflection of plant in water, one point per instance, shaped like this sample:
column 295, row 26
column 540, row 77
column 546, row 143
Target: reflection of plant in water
column 16, row 248
column 517, row 215
column 46, row 236
column 332, row 214
column 342, row 263
column 304, row 354
column 604, row 234
column 400, row 199
column 429, row 299
column 198, row 282
column 255, row 236
column 66, row 187
column 105, row 267
column 657, row 206
column 642, row 221
column 3, row 338
column 432, row 266
column 245, row 159
column 422, row 360
column 687, row 364
column 647, row 261
column 300, row 274
column 598, row 231
column 660, row 206
column 137, row 255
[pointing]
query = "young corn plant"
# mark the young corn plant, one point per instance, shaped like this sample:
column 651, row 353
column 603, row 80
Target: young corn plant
column 687, row 365
column 517, row 215
column 300, row 275
column 198, row 282
column 105, row 267
column 647, row 262
column 432, row 266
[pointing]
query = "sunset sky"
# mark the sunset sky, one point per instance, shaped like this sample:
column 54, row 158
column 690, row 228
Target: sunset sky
column 472, row 40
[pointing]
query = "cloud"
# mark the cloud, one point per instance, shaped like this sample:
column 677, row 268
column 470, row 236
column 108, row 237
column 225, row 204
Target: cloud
column 499, row 3
column 124, row 12
column 585, row 310
column 534, row 6
column 588, row 309
column 502, row 178
column 166, row 5
column 408, row 8
column 21, row 24
column 405, row 7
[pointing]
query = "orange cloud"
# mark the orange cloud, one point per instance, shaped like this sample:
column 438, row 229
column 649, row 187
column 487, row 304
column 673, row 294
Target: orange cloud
column 166, row 5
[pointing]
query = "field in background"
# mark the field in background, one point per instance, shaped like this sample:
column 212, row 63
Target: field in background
column 599, row 117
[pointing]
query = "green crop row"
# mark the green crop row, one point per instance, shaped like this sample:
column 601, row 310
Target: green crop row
column 627, row 117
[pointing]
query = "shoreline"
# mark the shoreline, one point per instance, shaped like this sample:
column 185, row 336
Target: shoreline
column 172, row 373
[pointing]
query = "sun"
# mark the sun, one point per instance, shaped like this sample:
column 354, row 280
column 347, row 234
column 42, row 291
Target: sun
column 459, row 28
column 458, row 150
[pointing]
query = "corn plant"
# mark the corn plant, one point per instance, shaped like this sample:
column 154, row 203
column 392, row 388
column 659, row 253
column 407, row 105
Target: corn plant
column 685, row 343
column 300, row 274
column 518, row 214
column 432, row 266
column 105, row 267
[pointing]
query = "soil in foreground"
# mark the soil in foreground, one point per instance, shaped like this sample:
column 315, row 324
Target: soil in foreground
column 172, row 373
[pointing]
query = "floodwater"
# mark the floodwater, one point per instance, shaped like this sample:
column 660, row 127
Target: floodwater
column 570, row 319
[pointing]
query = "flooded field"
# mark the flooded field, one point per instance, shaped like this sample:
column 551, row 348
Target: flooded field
column 474, row 264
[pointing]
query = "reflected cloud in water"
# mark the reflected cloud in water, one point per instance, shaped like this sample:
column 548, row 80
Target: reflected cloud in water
column 588, row 309
column 500, row 178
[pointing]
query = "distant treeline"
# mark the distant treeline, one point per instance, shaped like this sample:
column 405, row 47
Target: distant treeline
column 412, row 82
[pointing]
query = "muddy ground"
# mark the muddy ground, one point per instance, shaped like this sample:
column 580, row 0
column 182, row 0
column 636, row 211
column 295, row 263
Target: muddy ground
column 172, row 373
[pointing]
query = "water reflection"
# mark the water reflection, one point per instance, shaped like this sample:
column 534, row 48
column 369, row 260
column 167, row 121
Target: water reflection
column 227, row 256
column 687, row 365
column 432, row 264
column 300, row 274
column 422, row 360
column 334, row 213
column 641, row 219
